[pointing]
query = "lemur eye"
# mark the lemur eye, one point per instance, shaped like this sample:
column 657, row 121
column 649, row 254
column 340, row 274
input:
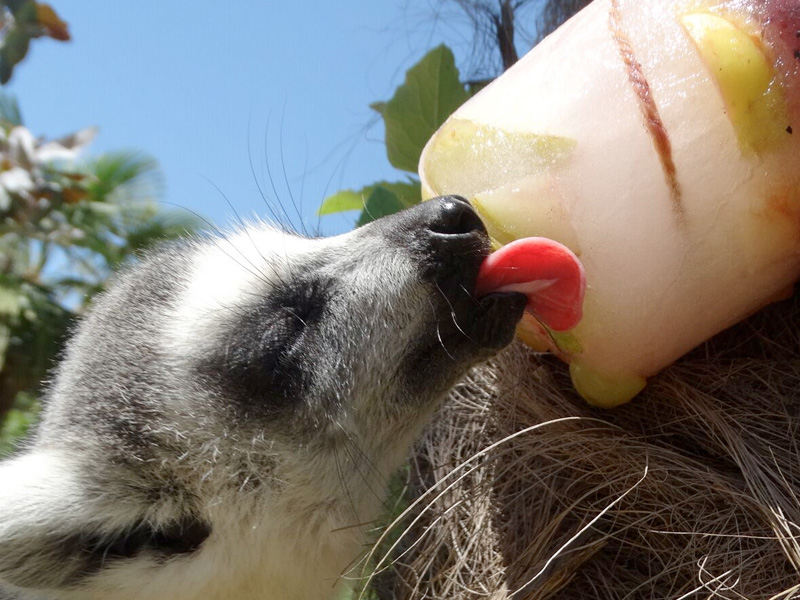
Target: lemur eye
column 263, row 358
column 303, row 300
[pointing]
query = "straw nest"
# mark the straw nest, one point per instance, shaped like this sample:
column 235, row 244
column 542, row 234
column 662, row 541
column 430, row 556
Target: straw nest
column 521, row 490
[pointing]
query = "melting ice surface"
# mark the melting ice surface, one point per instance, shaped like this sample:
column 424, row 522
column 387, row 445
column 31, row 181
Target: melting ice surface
column 656, row 140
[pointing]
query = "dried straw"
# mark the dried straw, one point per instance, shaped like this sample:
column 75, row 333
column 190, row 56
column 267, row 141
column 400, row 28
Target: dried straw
column 521, row 490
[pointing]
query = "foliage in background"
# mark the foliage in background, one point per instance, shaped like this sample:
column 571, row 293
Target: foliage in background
column 20, row 22
column 66, row 224
column 431, row 92
column 17, row 422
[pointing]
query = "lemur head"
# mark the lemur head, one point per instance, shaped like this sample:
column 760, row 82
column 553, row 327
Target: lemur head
column 261, row 382
column 362, row 331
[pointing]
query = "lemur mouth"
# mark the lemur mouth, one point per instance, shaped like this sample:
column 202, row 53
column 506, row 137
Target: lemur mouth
column 468, row 315
column 546, row 272
column 487, row 293
column 450, row 243
column 478, row 296
column 489, row 322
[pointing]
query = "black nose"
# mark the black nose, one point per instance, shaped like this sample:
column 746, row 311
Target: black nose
column 444, row 236
column 454, row 216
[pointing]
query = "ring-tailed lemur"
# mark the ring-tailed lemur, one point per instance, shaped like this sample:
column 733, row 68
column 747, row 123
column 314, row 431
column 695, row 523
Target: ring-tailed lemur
column 225, row 418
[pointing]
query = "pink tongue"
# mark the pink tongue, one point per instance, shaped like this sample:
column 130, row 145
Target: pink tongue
column 547, row 272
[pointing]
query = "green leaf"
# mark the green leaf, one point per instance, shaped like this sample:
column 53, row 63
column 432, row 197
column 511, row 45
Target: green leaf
column 408, row 193
column 381, row 202
column 14, row 5
column 473, row 87
column 9, row 302
column 104, row 209
column 10, row 308
column 25, row 13
column 10, row 114
column 343, row 201
column 6, row 69
column 166, row 225
column 378, row 107
column 17, row 422
column 430, row 94
column 34, row 335
column 5, row 339
column 132, row 172
column 15, row 47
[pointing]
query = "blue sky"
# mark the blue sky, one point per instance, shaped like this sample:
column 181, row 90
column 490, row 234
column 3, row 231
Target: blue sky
column 208, row 88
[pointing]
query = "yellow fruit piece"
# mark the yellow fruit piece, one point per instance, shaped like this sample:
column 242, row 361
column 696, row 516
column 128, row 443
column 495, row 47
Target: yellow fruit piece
column 746, row 78
column 467, row 158
column 603, row 390
column 499, row 231
column 534, row 334
column 531, row 333
column 532, row 206
column 566, row 342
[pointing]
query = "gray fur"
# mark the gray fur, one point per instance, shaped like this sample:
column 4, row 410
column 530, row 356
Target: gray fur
column 225, row 419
